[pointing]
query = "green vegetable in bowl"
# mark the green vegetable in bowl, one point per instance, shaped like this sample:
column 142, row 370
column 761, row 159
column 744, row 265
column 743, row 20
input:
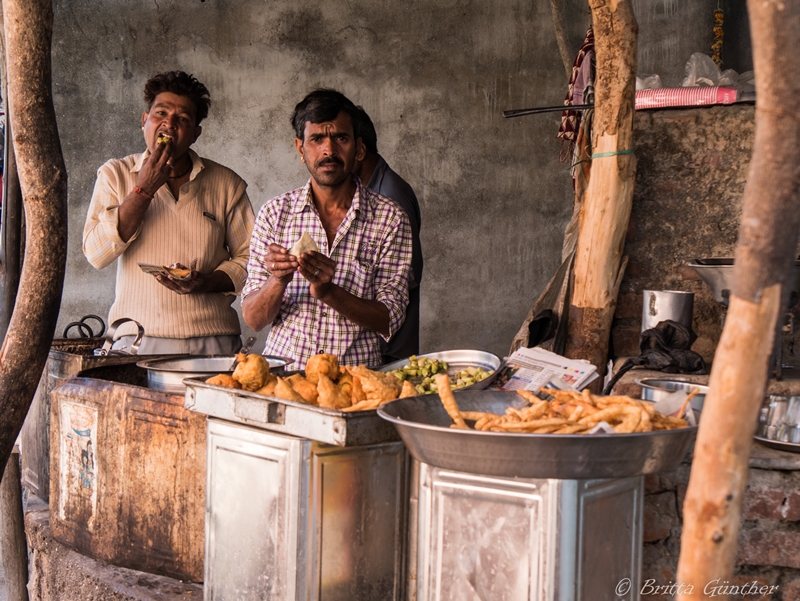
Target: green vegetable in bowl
column 420, row 370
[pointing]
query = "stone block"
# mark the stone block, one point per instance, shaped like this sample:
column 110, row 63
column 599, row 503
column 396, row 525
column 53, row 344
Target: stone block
column 767, row 543
column 772, row 495
column 660, row 516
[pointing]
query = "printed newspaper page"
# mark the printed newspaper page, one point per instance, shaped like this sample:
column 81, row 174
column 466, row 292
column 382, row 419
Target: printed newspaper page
column 533, row 368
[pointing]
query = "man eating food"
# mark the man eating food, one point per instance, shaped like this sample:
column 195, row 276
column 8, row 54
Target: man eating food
column 343, row 298
column 169, row 207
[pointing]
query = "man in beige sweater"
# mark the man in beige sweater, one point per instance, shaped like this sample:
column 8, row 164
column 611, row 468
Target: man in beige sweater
column 168, row 206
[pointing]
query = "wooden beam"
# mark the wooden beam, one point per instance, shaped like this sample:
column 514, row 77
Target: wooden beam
column 606, row 209
column 27, row 28
column 764, row 256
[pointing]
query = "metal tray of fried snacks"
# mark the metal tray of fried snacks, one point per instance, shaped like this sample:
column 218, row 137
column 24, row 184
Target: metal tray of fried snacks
column 288, row 417
column 424, row 426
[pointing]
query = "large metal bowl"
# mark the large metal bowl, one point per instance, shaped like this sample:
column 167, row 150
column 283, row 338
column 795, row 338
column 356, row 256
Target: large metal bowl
column 656, row 389
column 168, row 374
column 717, row 273
column 457, row 360
column 424, row 426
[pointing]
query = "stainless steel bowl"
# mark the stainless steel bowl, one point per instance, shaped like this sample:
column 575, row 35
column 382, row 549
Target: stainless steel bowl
column 655, row 389
column 457, row 360
column 168, row 374
column 424, row 426
column 779, row 423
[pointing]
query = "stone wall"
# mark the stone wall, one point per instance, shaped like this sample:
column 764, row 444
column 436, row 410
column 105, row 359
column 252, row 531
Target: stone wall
column 691, row 172
column 769, row 540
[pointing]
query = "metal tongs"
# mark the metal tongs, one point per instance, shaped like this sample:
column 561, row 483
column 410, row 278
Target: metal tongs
column 106, row 349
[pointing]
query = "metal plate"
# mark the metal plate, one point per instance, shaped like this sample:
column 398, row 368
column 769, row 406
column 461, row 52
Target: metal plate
column 791, row 447
column 168, row 374
column 423, row 425
column 457, row 360
column 296, row 419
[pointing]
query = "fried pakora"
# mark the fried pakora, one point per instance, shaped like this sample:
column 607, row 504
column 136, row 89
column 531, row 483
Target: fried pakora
column 224, row 380
column 306, row 389
column 284, row 390
column 251, row 371
column 330, row 395
column 322, row 364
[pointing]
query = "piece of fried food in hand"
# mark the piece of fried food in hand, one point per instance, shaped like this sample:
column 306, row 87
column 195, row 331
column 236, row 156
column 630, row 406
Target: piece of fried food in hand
column 449, row 401
column 377, row 386
column 284, row 390
column 251, row 371
column 330, row 395
column 306, row 389
column 322, row 364
column 408, row 390
column 223, row 380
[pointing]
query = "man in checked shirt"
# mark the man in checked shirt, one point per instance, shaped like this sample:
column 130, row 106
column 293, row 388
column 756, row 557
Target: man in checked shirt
column 343, row 299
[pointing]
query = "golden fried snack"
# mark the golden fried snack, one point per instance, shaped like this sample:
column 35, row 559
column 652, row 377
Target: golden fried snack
column 251, row 371
column 377, row 386
column 449, row 401
column 528, row 396
column 163, row 138
column 223, row 380
column 357, row 393
column 322, row 364
column 330, row 395
column 571, row 412
column 345, row 382
column 178, row 272
column 284, row 390
column 269, row 388
column 306, row 389
column 407, row 390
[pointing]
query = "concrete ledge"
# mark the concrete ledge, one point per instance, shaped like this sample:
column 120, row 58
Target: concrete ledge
column 59, row 573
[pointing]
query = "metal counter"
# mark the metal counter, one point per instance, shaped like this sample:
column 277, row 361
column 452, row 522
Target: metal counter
column 481, row 537
column 292, row 518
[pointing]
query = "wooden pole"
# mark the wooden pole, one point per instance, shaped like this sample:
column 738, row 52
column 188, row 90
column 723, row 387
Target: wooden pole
column 28, row 27
column 764, row 255
column 606, row 209
column 15, row 546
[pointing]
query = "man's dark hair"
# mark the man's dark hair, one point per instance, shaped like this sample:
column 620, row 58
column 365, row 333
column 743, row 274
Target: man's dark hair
column 366, row 131
column 182, row 84
column 322, row 105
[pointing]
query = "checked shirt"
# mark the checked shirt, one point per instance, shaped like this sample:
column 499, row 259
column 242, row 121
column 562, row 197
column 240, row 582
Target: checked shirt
column 372, row 250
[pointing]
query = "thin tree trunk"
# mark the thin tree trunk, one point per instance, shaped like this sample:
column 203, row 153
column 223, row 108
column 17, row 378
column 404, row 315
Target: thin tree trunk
column 15, row 546
column 562, row 39
column 764, row 255
column 28, row 27
column 606, row 209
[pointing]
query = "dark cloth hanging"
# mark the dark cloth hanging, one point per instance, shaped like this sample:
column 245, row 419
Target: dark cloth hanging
column 570, row 120
column 664, row 348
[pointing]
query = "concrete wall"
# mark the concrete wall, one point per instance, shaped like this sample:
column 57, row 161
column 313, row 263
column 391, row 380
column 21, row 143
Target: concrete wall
column 435, row 77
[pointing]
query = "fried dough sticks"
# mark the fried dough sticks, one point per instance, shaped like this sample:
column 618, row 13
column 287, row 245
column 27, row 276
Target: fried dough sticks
column 569, row 412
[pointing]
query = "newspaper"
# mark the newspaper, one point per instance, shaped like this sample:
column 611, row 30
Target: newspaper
column 534, row 368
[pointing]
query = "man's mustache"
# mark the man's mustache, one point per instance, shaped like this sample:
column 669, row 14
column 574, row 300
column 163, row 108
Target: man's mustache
column 329, row 161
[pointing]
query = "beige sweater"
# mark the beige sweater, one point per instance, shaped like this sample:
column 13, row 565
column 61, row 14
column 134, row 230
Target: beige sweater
column 211, row 222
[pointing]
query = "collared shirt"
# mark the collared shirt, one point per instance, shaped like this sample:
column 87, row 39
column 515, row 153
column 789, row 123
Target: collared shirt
column 210, row 222
column 372, row 250
column 387, row 183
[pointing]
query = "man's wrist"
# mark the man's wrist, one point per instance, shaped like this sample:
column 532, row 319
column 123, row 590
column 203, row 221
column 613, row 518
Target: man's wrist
column 138, row 190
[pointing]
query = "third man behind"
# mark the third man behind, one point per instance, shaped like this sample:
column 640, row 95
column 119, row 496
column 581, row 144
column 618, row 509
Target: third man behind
column 375, row 174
